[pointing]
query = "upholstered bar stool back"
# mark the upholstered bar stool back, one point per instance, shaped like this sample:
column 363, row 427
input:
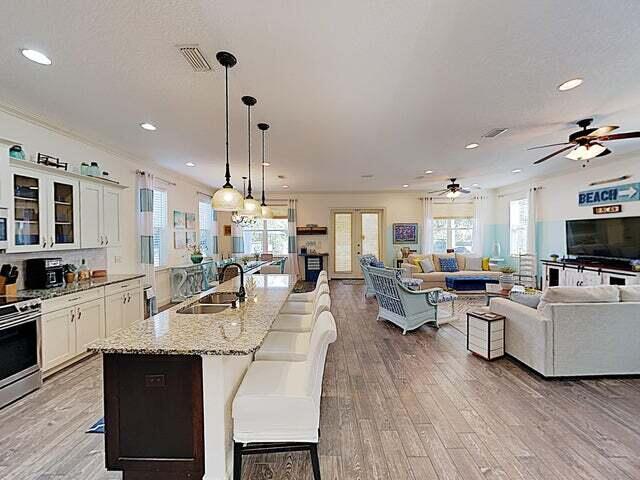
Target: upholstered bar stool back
column 277, row 407
column 302, row 322
column 305, row 307
column 309, row 296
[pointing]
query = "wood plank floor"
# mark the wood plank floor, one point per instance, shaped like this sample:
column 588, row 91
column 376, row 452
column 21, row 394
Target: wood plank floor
column 394, row 407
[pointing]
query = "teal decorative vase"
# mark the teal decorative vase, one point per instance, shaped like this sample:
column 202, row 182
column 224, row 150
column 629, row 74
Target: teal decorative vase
column 196, row 258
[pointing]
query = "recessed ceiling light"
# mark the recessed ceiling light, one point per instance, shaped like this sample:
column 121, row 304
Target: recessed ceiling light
column 475, row 185
column 570, row 84
column 406, row 185
column 190, row 164
column 36, row 56
column 285, row 186
column 266, row 164
column 471, row 146
column 148, row 126
column 516, row 170
column 428, row 172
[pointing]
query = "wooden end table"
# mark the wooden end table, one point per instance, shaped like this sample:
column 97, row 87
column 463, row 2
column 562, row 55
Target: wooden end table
column 485, row 334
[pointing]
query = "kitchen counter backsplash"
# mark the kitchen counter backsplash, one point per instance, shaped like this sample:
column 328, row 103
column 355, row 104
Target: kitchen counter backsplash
column 47, row 293
column 96, row 259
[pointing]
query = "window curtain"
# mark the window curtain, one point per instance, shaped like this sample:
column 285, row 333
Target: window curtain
column 292, row 216
column 237, row 240
column 144, row 186
column 480, row 221
column 531, row 221
column 427, row 225
column 215, row 251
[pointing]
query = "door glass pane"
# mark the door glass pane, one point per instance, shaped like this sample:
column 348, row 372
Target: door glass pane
column 342, row 242
column 370, row 234
column 27, row 210
column 63, row 202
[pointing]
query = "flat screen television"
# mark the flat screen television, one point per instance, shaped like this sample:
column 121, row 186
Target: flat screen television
column 616, row 238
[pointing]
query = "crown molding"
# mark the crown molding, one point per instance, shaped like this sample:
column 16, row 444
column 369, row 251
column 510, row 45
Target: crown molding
column 43, row 122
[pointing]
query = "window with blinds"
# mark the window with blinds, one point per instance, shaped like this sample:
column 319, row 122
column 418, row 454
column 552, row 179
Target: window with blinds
column 342, row 242
column 518, row 226
column 205, row 216
column 453, row 234
column 160, row 216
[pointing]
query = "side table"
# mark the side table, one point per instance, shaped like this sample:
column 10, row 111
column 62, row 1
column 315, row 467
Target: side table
column 485, row 334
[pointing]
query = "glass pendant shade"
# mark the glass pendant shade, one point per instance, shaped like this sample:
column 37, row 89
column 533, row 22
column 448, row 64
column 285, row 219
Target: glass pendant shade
column 227, row 199
column 586, row 152
column 251, row 208
column 266, row 211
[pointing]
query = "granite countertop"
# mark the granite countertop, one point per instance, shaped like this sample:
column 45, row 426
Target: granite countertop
column 48, row 293
column 238, row 331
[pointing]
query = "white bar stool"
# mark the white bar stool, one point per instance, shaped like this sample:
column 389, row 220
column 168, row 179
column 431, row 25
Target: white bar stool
column 296, row 322
column 302, row 308
column 277, row 407
column 310, row 296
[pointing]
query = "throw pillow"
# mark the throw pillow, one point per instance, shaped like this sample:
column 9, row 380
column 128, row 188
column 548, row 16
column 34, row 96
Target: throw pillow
column 461, row 259
column 438, row 256
column 473, row 264
column 529, row 299
column 377, row 264
column 448, row 264
column 630, row 293
column 416, row 259
column 485, row 264
column 427, row 265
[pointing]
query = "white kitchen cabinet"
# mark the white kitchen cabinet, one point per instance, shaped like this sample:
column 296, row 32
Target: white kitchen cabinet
column 111, row 217
column 5, row 180
column 58, row 337
column 89, row 324
column 124, row 308
column 63, row 213
column 100, row 216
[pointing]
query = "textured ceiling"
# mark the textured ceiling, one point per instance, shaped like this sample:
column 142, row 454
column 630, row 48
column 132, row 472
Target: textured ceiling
column 350, row 87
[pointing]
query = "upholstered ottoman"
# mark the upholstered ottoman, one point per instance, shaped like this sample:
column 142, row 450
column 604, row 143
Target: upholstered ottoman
column 469, row 283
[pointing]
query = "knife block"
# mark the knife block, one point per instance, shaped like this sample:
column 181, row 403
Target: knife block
column 9, row 290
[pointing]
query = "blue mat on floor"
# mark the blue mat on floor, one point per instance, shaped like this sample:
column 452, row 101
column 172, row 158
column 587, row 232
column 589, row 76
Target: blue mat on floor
column 97, row 427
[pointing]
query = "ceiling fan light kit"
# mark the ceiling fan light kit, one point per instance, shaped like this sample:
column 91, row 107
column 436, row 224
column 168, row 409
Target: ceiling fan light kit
column 227, row 198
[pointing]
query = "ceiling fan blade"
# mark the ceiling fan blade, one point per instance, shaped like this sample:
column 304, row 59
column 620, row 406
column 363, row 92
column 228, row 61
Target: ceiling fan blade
column 550, row 145
column 464, row 190
column 553, row 154
column 618, row 136
column 443, row 193
column 438, row 191
column 603, row 130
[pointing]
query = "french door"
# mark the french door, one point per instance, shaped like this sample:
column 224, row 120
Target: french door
column 354, row 232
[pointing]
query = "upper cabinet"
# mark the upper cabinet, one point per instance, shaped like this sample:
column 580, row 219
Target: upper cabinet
column 56, row 210
column 100, row 216
column 44, row 212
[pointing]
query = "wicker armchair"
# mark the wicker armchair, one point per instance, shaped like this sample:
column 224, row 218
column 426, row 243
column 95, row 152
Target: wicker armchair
column 408, row 309
column 365, row 261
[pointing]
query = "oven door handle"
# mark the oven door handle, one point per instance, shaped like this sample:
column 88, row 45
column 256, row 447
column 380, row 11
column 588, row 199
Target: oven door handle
column 19, row 321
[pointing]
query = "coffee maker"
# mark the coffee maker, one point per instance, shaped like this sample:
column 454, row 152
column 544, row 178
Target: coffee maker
column 43, row 273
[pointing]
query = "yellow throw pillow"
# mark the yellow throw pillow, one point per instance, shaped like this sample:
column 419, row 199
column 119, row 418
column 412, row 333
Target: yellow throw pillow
column 485, row 264
column 416, row 259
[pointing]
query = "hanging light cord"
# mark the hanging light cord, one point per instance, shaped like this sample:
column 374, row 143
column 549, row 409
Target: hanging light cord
column 226, row 113
column 249, row 142
column 263, row 202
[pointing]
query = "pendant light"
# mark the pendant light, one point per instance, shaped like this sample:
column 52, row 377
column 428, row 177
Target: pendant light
column 227, row 198
column 266, row 209
column 240, row 218
column 251, row 206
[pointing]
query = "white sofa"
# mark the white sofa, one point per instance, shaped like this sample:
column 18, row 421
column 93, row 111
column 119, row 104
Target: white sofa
column 437, row 277
column 599, row 335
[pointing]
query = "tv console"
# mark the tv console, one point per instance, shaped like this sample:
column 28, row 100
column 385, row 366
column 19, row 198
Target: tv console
column 581, row 272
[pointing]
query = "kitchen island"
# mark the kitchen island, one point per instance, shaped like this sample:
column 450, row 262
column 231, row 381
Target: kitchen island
column 169, row 383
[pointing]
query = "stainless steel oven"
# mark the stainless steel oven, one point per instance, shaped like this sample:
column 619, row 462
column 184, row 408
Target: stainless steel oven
column 19, row 348
column 4, row 229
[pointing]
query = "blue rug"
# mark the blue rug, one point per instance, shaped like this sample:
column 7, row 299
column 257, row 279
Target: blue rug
column 97, row 427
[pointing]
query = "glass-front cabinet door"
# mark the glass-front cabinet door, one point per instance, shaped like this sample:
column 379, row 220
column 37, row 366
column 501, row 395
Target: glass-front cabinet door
column 62, row 201
column 27, row 216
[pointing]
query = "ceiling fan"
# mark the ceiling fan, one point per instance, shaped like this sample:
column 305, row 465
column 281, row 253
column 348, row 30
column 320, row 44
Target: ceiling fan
column 586, row 144
column 453, row 190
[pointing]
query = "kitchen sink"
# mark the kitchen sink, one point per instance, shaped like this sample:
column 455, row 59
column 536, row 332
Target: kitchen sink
column 219, row 298
column 200, row 309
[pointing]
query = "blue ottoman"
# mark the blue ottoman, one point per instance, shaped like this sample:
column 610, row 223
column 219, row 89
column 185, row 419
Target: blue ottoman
column 469, row 282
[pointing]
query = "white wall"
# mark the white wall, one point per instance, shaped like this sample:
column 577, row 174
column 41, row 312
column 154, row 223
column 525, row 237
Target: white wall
column 40, row 137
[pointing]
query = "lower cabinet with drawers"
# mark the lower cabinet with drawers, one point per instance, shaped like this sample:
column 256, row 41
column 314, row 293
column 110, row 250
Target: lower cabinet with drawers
column 72, row 322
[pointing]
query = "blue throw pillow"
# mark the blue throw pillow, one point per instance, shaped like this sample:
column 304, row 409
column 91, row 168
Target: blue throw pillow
column 448, row 264
column 377, row 263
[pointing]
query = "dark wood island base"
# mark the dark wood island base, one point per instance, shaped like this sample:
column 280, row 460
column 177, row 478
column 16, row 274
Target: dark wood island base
column 154, row 416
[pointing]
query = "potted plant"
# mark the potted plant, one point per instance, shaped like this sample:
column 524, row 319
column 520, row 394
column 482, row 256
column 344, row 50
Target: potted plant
column 554, row 257
column 196, row 254
column 69, row 271
column 635, row 265
column 506, row 277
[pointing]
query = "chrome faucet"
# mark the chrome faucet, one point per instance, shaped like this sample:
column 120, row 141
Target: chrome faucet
column 241, row 292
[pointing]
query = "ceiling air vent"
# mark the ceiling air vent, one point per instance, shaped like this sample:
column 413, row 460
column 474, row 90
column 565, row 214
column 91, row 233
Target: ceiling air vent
column 194, row 57
column 493, row 133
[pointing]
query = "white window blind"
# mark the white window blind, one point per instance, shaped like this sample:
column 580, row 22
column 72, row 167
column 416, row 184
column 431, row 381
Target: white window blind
column 160, row 215
column 342, row 239
column 518, row 225
column 205, row 217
